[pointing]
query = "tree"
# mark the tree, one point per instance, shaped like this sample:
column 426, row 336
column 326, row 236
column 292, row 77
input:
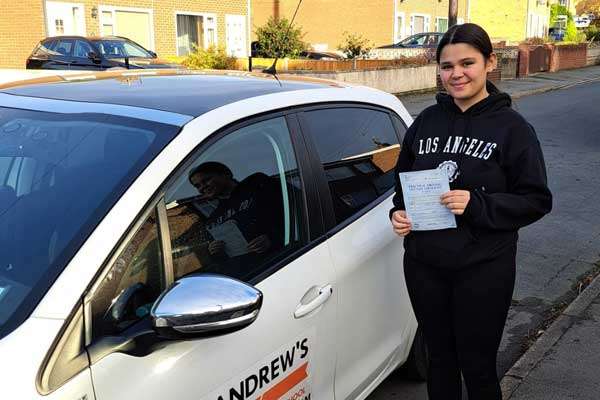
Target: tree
column 587, row 6
column 355, row 45
column 277, row 39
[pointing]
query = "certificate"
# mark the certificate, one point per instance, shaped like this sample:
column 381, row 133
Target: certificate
column 228, row 232
column 422, row 191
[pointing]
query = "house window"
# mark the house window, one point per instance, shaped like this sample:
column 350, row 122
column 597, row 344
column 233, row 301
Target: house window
column 210, row 31
column 441, row 24
column 419, row 23
column 60, row 26
column 399, row 27
column 107, row 23
column 194, row 31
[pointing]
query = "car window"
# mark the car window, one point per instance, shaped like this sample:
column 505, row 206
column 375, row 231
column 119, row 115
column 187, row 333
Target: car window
column 416, row 40
column 82, row 49
column 358, row 149
column 132, row 50
column 63, row 47
column 59, row 176
column 432, row 40
column 120, row 48
column 132, row 284
column 239, row 207
column 400, row 126
column 42, row 49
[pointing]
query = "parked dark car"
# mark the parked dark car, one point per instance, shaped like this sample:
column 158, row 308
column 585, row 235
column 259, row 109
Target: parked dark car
column 321, row 55
column 420, row 40
column 92, row 53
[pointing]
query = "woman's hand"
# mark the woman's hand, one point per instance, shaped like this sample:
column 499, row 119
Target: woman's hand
column 456, row 200
column 401, row 223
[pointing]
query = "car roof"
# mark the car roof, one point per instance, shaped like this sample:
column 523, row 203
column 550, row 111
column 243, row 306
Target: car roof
column 85, row 37
column 190, row 93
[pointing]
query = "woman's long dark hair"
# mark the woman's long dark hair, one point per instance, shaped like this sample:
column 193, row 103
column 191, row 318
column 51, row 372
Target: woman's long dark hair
column 471, row 34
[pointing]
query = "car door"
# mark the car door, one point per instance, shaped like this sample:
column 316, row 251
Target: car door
column 81, row 59
column 60, row 56
column 357, row 149
column 242, row 205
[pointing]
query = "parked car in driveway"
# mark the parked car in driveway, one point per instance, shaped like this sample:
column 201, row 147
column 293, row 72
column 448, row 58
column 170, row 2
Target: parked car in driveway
column 321, row 55
column 92, row 53
column 200, row 236
column 420, row 40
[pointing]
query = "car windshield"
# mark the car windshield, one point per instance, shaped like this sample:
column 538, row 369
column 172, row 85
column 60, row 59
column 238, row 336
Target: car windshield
column 59, row 176
column 121, row 48
column 416, row 40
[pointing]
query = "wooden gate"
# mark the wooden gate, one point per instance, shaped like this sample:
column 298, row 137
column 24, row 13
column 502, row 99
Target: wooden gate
column 539, row 59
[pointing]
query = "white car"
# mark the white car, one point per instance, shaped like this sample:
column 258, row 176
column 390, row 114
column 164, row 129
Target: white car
column 218, row 236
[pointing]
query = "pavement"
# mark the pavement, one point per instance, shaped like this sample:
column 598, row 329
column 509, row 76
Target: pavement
column 534, row 84
column 564, row 363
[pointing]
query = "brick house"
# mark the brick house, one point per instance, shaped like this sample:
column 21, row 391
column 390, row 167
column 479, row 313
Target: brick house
column 169, row 27
column 387, row 21
column 381, row 21
column 514, row 20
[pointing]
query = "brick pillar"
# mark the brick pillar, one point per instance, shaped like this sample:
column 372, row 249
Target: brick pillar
column 523, row 64
column 554, row 57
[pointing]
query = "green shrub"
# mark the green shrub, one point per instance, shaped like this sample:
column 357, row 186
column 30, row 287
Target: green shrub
column 535, row 41
column 355, row 45
column 211, row 58
column 571, row 33
column 277, row 39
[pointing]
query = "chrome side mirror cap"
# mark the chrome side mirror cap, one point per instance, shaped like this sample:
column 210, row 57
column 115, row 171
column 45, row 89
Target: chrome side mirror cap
column 205, row 304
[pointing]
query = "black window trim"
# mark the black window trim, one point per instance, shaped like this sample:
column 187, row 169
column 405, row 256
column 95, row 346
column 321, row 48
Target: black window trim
column 331, row 226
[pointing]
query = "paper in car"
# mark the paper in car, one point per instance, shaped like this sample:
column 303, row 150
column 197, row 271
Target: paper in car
column 422, row 191
column 228, row 232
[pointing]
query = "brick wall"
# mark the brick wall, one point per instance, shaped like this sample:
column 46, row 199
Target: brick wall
column 22, row 23
column 21, row 28
column 568, row 57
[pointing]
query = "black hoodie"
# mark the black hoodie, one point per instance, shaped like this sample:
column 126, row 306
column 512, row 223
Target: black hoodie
column 489, row 150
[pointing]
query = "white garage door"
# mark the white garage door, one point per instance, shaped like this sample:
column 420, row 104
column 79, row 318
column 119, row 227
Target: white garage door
column 135, row 26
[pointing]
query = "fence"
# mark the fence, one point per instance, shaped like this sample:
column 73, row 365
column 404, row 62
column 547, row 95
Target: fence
column 508, row 61
column 392, row 54
column 328, row 66
column 593, row 54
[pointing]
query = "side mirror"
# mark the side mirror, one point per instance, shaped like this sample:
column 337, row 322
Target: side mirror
column 153, row 54
column 93, row 56
column 203, row 304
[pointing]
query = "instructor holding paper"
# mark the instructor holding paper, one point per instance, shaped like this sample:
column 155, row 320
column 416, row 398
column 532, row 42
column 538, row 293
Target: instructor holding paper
column 460, row 241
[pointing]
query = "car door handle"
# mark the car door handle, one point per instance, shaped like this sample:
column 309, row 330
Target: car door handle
column 305, row 309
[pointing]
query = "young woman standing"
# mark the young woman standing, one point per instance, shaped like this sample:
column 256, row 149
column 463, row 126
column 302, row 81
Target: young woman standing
column 461, row 280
